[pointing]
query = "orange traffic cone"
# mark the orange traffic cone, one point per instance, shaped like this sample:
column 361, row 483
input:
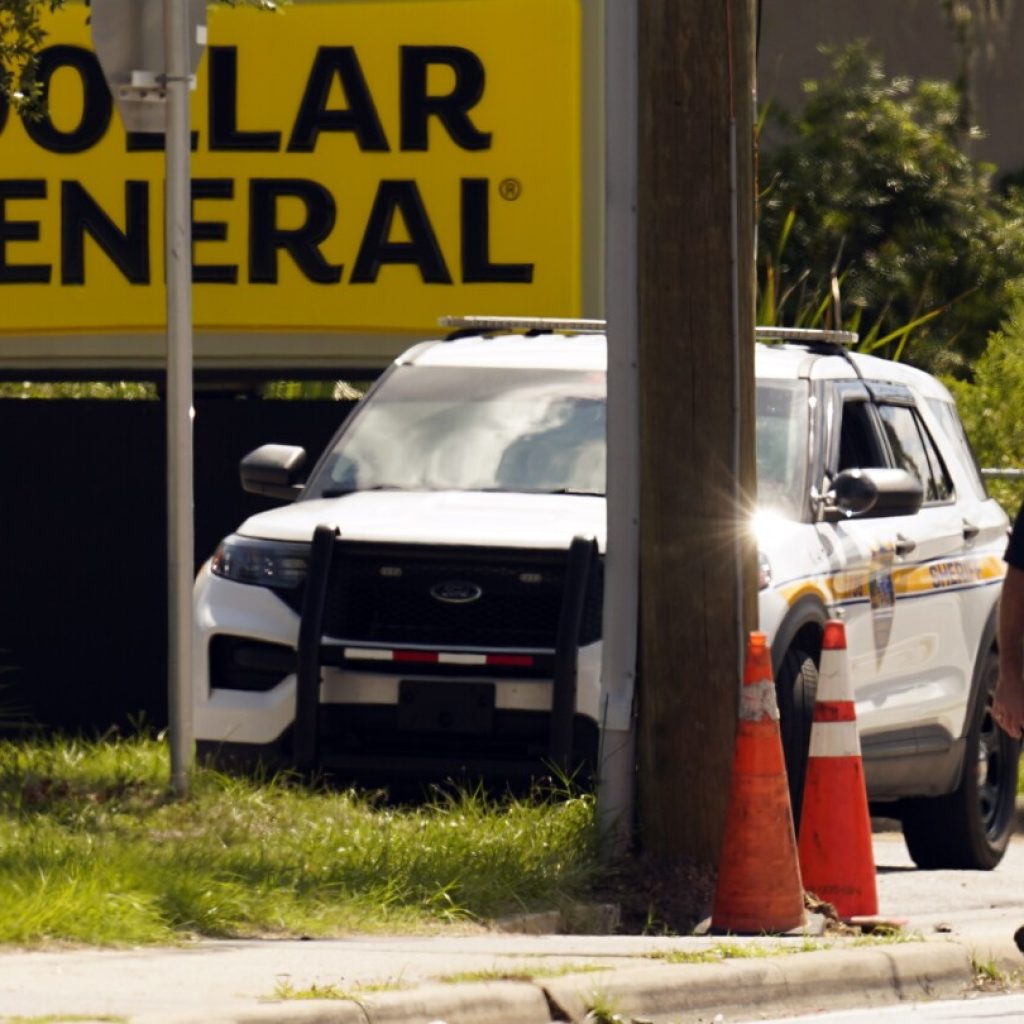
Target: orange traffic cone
column 836, row 857
column 758, row 886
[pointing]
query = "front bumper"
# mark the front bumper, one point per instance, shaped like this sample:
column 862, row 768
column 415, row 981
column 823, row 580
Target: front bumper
column 355, row 713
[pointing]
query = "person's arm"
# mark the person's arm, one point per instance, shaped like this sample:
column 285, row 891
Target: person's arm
column 1008, row 703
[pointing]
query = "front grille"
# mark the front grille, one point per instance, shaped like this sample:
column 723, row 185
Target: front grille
column 381, row 594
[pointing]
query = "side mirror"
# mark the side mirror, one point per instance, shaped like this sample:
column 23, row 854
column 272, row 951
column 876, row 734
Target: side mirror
column 272, row 470
column 874, row 493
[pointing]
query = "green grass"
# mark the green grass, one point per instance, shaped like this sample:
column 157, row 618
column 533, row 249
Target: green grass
column 525, row 972
column 722, row 951
column 286, row 991
column 94, row 850
column 602, row 1009
column 717, row 953
column 988, row 977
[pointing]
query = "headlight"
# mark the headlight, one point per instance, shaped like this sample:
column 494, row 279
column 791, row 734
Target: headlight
column 764, row 571
column 263, row 563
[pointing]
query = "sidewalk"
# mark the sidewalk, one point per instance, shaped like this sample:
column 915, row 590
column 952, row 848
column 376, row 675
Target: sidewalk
column 955, row 920
column 398, row 981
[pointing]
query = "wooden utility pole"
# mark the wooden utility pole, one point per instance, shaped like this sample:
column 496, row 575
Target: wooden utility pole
column 697, row 469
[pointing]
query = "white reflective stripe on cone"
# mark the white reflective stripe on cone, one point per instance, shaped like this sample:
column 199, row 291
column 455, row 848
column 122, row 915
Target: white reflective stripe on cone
column 833, row 682
column 834, row 739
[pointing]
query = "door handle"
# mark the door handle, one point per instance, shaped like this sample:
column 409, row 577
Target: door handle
column 970, row 530
column 904, row 545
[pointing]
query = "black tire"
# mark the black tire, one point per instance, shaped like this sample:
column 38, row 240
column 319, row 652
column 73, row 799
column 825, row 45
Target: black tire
column 796, row 687
column 970, row 827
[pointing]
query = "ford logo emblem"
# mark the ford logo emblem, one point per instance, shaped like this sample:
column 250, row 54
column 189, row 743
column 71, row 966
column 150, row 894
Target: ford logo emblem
column 456, row 592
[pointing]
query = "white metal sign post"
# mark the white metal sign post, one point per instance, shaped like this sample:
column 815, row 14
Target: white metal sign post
column 148, row 50
column 617, row 774
column 180, row 531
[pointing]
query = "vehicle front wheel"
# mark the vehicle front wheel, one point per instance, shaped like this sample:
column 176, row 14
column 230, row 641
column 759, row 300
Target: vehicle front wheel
column 796, row 687
column 970, row 827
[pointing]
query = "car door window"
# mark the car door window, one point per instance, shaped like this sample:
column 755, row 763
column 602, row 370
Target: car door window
column 858, row 440
column 945, row 413
column 915, row 452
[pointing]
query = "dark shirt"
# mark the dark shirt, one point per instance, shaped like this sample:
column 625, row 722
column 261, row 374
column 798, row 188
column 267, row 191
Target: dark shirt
column 1015, row 549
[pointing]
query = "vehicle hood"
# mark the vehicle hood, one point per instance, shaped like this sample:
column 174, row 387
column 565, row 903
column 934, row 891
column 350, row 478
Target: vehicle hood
column 440, row 517
column 793, row 549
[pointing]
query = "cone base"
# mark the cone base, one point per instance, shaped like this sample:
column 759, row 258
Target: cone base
column 837, row 861
column 877, row 924
column 758, row 888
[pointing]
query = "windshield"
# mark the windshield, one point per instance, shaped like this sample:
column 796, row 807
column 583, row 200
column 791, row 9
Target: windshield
column 542, row 431
column 782, row 446
column 473, row 429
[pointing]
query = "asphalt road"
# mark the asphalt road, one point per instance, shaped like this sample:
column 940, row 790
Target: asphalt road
column 965, row 902
column 961, row 903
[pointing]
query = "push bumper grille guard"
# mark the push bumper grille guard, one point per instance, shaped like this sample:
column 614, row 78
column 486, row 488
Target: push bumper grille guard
column 582, row 556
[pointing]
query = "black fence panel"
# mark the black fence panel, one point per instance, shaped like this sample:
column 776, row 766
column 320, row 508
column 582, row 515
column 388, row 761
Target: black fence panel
column 83, row 591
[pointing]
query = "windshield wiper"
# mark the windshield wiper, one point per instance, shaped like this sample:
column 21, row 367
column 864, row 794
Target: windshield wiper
column 340, row 492
column 536, row 490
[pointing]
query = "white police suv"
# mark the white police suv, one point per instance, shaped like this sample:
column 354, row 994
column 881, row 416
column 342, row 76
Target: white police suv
column 428, row 602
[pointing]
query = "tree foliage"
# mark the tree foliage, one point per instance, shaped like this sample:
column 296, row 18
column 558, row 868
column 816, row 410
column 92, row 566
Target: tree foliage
column 990, row 405
column 22, row 36
column 124, row 391
column 874, row 218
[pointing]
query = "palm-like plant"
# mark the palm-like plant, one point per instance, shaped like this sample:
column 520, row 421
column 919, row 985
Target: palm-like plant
column 873, row 218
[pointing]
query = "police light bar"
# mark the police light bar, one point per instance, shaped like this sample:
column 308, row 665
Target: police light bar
column 808, row 335
column 521, row 323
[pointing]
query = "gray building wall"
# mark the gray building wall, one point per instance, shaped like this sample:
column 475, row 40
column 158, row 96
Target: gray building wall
column 914, row 38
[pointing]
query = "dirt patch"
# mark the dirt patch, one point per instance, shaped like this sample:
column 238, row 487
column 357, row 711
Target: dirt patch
column 657, row 896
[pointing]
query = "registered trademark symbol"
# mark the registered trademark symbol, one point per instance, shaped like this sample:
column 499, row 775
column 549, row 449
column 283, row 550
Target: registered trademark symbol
column 510, row 189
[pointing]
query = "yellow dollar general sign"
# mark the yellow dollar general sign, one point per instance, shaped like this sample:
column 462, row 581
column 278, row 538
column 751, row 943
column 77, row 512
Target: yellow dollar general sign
column 356, row 167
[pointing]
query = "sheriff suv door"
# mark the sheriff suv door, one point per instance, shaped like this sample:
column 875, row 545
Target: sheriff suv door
column 906, row 663
column 915, row 708
column 861, row 549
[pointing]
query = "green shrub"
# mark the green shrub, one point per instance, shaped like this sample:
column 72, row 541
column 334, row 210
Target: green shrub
column 874, row 218
column 990, row 406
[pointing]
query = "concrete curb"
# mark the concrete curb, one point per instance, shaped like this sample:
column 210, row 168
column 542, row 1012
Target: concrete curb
column 491, row 1002
column 795, row 983
column 488, row 1002
column 802, row 982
